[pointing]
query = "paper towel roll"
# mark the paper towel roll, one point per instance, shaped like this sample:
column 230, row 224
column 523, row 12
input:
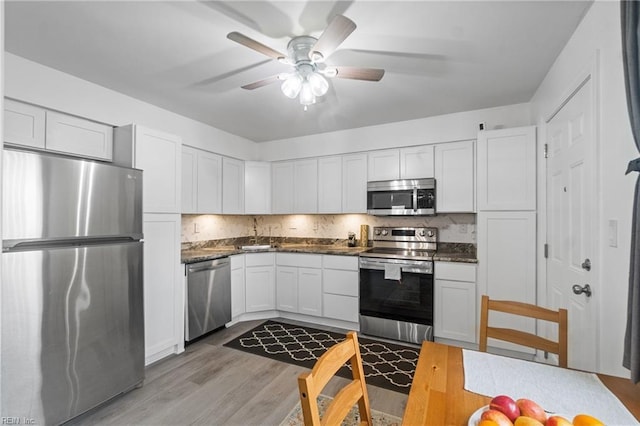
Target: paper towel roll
column 364, row 235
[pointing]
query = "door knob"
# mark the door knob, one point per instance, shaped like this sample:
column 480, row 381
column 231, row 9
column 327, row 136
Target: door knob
column 586, row 289
column 586, row 265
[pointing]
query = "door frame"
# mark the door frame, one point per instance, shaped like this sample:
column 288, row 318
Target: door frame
column 588, row 72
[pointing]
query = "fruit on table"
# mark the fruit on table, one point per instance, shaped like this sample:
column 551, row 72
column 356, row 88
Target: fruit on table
column 487, row 422
column 527, row 421
column 586, row 420
column 557, row 421
column 496, row 416
column 506, row 405
column 531, row 409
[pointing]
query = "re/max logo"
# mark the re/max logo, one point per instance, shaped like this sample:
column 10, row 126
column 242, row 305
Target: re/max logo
column 17, row 421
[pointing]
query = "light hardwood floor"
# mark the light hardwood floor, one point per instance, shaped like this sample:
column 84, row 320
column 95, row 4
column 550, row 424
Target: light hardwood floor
column 210, row 384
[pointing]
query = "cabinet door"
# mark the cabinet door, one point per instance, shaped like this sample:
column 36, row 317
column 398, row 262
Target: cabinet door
column 158, row 154
column 163, row 286
column 24, row 124
column 232, row 186
column 455, row 310
column 260, row 288
column 329, row 180
column 287, row 288
column 507, row 262
column 257, row 187
column 305, row 184
column 282, row 190
column 237, row 285
column 354, row 183
column 310, row 291
column 384, row 165
column 507, row 169
column 77, row 136
column 416, row 162
column 454, row 172
column 209, row 191
column 189, row 180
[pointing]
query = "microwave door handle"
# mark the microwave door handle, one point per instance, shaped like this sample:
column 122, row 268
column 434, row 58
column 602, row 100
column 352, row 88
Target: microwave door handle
column 415, row 199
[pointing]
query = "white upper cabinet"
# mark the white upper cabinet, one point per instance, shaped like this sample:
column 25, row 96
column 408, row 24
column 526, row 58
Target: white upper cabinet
column 354, row 183
column 35, row 127
column 416, row 162
column 201, row 181
column 209, row 182
column 329, row 181
column 24, row 124
column 305, row 186
column 282, row 189
column 454, row 173
column 158, row 154
column 507, row 169
column 232, row 186
column 257, row 187
column 384, row 165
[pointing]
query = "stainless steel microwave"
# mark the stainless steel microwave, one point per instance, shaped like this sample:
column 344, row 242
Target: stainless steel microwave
column 406, row 197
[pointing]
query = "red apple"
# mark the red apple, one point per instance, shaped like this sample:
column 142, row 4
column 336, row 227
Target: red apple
column 527, row 421
column 529, row 408
column 496, row 416
column 506, row 405
column 557, row 421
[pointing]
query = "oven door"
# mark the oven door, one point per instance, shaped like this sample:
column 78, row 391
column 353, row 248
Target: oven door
column 408, row 299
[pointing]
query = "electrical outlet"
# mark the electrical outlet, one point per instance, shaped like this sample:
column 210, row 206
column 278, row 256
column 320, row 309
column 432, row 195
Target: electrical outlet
column 196, row 227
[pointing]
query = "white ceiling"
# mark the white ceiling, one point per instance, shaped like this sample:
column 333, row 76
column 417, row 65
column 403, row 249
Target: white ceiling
column 440, row 56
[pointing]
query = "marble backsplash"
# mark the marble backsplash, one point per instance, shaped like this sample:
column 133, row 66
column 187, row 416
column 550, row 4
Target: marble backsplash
column 452, row 228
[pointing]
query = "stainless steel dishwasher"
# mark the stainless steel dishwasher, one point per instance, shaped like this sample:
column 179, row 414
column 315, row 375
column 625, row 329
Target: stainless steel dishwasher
column 208, row 297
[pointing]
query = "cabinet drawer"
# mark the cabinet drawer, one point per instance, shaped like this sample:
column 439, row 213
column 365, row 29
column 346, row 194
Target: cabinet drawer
column 237, row 261
column 455, row 271
column 299, row 260
column 340, row 282
column 259, row 259
column 77, row 136
column 348, row 263
column 340, row 307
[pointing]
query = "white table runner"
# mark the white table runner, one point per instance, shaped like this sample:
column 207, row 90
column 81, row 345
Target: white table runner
column 557, row 390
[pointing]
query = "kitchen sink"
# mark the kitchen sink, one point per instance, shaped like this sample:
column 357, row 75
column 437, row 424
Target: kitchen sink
column 254, row 247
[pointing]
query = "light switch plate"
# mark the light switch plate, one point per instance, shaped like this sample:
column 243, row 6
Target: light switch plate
column 613, row 233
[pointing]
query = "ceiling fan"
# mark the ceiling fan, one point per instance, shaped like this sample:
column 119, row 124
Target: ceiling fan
column 307, row 55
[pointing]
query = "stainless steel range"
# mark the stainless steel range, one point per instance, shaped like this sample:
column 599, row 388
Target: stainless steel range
column 396, row 284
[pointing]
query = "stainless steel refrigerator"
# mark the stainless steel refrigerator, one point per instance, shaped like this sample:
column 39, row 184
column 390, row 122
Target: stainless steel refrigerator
column 72, row 306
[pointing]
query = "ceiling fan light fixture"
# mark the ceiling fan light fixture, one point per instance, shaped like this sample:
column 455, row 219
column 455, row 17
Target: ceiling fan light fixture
column 319, row 85
column 306, row 94
column 291, row 85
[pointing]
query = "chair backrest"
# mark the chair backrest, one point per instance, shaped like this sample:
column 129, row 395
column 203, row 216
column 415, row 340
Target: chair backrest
column 521, row 337
column 311, row 384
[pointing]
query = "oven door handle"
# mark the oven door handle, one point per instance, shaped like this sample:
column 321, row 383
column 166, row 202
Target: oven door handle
column 415, row 198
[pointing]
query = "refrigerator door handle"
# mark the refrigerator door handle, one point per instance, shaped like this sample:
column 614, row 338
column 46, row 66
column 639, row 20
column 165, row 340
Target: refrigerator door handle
column 29, row 244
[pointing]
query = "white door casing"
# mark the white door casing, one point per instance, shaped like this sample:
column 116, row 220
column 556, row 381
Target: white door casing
column 572, row 231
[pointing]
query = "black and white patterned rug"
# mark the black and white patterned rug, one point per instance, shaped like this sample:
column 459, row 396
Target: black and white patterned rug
column 387, row 365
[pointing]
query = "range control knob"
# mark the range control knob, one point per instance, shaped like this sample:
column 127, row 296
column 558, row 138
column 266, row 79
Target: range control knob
column 430, row 234
column 376, row 231
column 385, row 232
column 421, row 233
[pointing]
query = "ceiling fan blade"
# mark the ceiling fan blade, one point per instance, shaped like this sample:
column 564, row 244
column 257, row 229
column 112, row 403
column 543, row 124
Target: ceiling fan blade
column 260, row 83
column 255, row 45
column 338, row 30
column 356, row 73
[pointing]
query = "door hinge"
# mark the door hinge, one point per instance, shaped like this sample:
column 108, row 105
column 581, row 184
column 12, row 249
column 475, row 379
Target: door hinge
column 546, row 150
column 546, row 250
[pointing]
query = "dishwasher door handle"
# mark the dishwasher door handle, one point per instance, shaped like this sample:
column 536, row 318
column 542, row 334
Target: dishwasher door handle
column 208, row 265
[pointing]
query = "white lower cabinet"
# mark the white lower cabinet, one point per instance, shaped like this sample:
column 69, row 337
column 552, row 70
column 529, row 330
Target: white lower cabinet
column 163, row 287
column 237, row 285
column 260, row 282
column 299, row 283
column 455, row 301
column 340, row 287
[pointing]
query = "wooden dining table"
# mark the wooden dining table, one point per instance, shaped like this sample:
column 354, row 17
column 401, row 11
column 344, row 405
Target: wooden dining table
column 438, row 397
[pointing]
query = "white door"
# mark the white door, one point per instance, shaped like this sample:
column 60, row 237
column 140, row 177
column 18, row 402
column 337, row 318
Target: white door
column 571, row 230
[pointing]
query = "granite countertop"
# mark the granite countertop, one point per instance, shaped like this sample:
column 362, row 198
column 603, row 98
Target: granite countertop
column 204, row 254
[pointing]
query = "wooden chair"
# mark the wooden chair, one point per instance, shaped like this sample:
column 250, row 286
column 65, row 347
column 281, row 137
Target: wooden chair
column 311, row 384
column 521, row 337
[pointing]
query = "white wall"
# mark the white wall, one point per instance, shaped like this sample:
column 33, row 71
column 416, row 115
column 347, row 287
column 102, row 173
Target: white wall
column 442, row 128
column 600, row 30
column 31, row 82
